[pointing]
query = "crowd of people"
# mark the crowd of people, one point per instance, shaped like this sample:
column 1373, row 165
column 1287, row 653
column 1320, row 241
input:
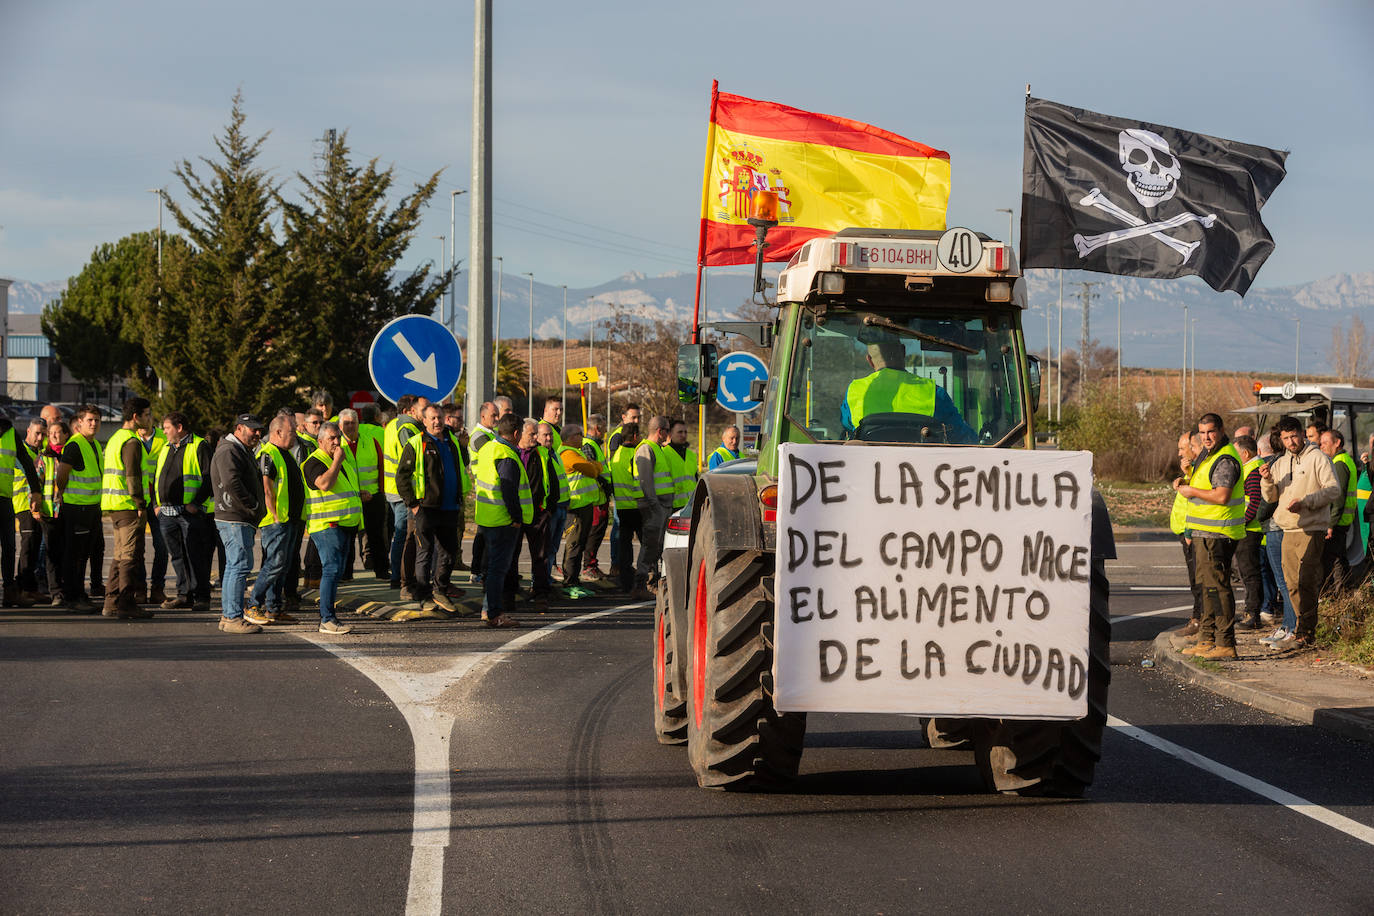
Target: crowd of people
column 1283, row 511
column 306, row 495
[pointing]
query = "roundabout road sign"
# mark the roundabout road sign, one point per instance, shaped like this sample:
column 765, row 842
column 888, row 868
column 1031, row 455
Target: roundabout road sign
column 415, row 354
column 736, row 372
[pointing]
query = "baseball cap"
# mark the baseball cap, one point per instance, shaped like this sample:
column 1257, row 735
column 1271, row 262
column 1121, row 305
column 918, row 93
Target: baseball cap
column 249, row 420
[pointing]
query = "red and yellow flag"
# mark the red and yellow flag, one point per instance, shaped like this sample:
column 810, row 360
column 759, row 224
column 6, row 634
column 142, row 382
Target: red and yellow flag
column 829, row 173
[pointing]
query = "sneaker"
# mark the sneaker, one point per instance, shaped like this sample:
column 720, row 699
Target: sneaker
column 334, row 627
column 1219, row 653
column 444, row 601
column 1278, row 634
column 257, row 615
column 177, row 604
column 1248, row 623
column 1291, row 641
column 1268, row 619
column 577, row 592
column 558, row 574
column 237, row 625
column 1198, row 649
column 283, row 617
column 82, row 606
column 592, row 573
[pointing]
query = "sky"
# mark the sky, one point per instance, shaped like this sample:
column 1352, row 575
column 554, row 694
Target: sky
column 600, row 109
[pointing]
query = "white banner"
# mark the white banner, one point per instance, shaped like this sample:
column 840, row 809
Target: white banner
column 933, row 581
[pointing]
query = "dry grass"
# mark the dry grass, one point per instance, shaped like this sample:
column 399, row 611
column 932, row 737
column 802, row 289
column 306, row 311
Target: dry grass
column 1137, row 505
column 1345, row 625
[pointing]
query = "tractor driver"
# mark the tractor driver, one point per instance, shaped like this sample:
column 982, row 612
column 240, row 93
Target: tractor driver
column 889, row 388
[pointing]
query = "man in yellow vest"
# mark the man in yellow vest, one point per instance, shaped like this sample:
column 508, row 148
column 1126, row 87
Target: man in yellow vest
column 283, row 490
column 584, row 495
column 78, row 489
column 1248, row 549
column 399, row 430
column 889, row 388
column 728, row 450
column 28, row 516
column 373, row 546
column 552, row 443
column 1189, row 444
column 1335, row 566
column 682, row 458
column 122, row 501
column 626, row 496
column 482, row 433
column 334, row 512
column 453, row 422
column 183, row 494
column 1216, row 522
column 504, row 505
column 14, row 461
column 657, row 492
column 631, row 414
column 592, row 439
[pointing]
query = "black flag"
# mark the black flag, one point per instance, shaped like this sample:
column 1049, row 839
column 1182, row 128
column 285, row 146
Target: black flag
column 1125, row 197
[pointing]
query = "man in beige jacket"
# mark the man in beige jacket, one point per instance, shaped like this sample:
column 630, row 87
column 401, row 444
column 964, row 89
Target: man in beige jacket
column 1303, row 484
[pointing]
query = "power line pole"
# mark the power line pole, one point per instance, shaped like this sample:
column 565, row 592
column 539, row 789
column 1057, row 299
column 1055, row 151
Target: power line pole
column 1087, row 295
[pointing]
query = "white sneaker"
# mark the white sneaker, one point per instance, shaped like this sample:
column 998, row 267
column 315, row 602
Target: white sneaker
column 334, row 627
column 1279, row 634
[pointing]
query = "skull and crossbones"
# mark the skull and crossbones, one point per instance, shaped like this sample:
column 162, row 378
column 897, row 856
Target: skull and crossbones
column 1152, row 176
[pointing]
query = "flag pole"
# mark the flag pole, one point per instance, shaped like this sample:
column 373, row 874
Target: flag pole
column 705, row 199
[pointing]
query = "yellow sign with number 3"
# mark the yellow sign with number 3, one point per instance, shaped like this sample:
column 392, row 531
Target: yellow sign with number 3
column 585, row 376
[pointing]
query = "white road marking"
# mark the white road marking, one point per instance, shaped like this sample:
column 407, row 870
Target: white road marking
column 417, row 696
column 1159, row 588
column 1167, row 610
column 1354, row 828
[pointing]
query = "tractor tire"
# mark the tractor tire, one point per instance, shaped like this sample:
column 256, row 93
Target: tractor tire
column 948, row 734
column 670, row 710
column 1054, row 758
column 735, row 737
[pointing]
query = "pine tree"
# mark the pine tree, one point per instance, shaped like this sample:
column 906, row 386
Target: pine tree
column 213, row 338
column 343, row 245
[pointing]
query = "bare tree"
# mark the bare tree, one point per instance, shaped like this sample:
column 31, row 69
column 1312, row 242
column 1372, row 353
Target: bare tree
column 649, row 348
column 1351, row 356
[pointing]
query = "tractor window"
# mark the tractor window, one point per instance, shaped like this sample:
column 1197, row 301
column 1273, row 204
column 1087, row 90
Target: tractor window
column 913, row 377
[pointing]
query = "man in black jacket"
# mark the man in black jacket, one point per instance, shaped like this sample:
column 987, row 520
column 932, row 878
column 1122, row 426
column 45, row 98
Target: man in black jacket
column 429, row 479
column 239, row 506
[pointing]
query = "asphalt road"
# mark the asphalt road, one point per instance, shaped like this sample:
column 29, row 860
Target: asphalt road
column 165, row 768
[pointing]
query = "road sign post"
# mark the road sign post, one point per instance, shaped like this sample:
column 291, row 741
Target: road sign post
column 415, row 354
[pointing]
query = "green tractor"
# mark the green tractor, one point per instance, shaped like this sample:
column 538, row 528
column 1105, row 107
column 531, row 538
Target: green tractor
column 942, row 307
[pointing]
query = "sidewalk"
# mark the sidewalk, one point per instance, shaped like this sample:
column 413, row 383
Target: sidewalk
column 1302, row 686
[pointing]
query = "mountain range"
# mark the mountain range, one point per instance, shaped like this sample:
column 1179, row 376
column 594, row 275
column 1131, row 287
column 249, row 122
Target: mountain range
column 1267, row 330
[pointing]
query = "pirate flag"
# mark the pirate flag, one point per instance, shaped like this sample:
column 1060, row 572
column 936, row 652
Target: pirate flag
column 1125, row 197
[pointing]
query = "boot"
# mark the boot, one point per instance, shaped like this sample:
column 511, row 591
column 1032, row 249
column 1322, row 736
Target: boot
column 157, row 595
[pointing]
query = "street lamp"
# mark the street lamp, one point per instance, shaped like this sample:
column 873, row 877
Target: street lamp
column 496, row 340
column 452, row 257
column 564, row 389
column 158, row 192
column 439, row 265
column 591, row 347
column 530, row 367
column 1297, row 348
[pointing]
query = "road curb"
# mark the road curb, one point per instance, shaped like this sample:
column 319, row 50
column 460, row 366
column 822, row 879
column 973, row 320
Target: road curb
column 1304, row 713
column 1143, row 534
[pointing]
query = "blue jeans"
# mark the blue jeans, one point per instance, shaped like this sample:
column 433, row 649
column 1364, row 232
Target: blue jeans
column 558, row 520
column 278, row 541
column 502, row 544
column 401, row 516
column 238, row 540
column 332, row 546
column 615, row 537
column 1273, row 545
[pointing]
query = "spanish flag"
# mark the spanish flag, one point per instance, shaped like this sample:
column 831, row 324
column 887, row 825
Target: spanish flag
column 829, row 173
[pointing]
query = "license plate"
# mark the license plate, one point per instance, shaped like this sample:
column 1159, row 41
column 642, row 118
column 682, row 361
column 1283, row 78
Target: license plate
column 891, row 256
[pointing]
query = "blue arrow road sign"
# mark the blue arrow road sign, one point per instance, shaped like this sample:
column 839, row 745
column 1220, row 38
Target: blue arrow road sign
column 415, row 354
column 737, row 370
